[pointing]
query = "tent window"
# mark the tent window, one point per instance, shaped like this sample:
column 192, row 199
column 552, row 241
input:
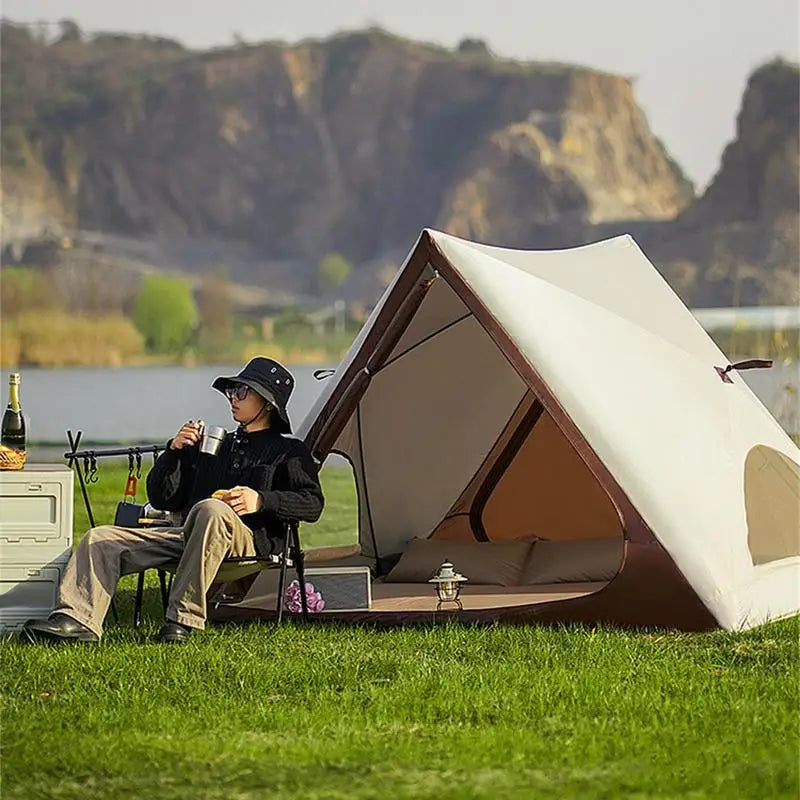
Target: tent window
column 772, row 505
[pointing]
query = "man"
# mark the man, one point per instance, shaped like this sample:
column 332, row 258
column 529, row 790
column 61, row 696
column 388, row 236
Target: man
column 269, row 479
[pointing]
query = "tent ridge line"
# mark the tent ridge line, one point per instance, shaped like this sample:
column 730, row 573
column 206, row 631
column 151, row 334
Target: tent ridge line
column 426, row 339
column 633, row 525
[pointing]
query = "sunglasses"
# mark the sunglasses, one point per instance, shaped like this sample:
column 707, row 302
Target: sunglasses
column 239, row 391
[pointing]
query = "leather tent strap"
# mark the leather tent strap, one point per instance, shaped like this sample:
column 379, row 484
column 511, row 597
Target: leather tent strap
column 751, row 363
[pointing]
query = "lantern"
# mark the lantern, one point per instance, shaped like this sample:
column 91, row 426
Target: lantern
column 448, row 585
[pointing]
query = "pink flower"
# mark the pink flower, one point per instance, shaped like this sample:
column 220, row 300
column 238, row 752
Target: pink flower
column 292, row 600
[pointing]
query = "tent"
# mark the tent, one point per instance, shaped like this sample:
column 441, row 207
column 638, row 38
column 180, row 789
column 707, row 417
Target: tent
column 567, row 404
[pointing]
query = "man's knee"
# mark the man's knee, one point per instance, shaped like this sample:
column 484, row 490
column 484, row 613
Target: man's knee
column 102, row 533
column 207, row 510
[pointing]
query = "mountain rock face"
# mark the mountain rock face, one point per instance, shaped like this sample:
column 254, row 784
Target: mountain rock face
column 351, row 144
column 355, row 143
column 738, row 243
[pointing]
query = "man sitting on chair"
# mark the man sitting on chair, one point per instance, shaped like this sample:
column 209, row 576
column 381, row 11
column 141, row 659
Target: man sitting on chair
column 269, row 480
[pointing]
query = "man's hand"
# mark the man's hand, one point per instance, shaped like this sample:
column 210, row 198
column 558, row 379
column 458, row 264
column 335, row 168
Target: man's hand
column 244, row 500
column 188, row 435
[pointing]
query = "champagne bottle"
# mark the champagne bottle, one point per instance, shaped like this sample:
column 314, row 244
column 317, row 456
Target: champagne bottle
column 13, row 429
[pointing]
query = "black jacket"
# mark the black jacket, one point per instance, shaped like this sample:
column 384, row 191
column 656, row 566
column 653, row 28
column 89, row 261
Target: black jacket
column 279, row 468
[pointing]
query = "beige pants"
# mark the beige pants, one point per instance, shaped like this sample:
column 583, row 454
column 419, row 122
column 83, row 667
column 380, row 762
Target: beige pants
column 211, row 532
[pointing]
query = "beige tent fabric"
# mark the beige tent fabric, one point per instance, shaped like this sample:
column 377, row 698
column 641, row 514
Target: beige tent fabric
column 604, row 274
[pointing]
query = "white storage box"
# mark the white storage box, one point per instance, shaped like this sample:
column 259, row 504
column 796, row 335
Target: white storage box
column 342, row 588
column 35, row 514
column 28, row 591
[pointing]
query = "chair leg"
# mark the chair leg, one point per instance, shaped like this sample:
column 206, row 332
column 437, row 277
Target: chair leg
column 299, row 564
column 137, row 608
column 282, row 578
column 114, row 611
column 162, row 579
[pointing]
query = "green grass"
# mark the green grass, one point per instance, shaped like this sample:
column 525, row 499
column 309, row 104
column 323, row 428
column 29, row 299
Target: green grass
column 327, row 711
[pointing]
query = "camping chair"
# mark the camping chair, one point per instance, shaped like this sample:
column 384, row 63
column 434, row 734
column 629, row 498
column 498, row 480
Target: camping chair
column 235, row 568
column 232, row 568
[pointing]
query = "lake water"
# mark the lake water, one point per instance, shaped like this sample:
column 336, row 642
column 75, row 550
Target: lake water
column 136, row 404
column 148, row 404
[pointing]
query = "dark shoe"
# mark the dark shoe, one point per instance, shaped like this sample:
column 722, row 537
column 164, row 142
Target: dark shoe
column 57, row 628
column 173, row 632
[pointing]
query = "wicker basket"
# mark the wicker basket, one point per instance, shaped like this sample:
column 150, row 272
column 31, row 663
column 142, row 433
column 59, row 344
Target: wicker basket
column 12, row 459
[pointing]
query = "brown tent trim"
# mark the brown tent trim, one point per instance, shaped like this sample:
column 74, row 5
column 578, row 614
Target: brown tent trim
column 500, row 465
column 430, row 336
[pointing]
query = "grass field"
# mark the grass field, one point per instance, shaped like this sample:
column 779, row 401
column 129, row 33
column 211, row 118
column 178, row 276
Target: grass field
column 335, row 712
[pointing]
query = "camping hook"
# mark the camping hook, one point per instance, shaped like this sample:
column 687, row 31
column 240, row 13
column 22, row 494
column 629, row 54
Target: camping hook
column 321, row 374
column 90, row 467
column 130, row 462
column 138, row 463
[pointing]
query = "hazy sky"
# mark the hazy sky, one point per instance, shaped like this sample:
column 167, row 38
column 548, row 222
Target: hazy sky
column 690, row 58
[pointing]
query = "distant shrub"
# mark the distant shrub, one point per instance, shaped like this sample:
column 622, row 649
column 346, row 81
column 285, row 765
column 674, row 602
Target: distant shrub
column 332, row 272
column 165, row 313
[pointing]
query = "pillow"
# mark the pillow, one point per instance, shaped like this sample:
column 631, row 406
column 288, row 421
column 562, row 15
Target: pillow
column 498, row 563
column 573, row 561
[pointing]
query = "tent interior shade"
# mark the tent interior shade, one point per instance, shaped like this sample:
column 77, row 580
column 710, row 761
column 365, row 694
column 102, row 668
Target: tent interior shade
column 467, row 452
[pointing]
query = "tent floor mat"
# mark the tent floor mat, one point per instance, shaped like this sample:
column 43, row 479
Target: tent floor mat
column 394, row 597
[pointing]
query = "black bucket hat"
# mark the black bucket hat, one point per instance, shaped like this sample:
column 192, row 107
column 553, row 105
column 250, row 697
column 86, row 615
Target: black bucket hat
column 271, row 380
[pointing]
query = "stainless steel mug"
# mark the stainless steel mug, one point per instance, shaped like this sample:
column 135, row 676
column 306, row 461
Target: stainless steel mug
column 211, row 439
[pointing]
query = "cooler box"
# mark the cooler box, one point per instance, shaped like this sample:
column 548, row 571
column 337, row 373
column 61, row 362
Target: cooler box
column 35, row 540
column 35, row 514
column 28, row 591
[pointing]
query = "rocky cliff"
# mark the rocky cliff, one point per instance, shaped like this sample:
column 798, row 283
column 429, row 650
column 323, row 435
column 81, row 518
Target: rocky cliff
column 355, row 143
column 738, row 243
column 350, row 144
